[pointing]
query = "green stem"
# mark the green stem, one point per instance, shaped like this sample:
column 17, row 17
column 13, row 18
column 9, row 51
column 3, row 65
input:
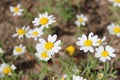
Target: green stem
column 13, row 77
column 2, row 60
column 104, row 65
column 54, row 66
column 116, row 14
column 78, row 30
column 86, row 65
column 112, row 39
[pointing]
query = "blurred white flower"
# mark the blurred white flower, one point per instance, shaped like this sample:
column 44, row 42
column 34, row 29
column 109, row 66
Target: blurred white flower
column 18, row 50
column 43, row 54
column 114, row 29
column 6, row 69
column 51, row 45
column 44, row 20
column 87, row 44
column 21, row 32
column 17, row 11
column 101, row 41
column 81, row 20
column 105, row 53
column 35, row 33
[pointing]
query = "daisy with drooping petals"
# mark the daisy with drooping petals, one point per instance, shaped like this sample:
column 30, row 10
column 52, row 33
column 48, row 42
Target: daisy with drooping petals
column 18, row 50
column 51, row 45
column 35, row 33
column 81, row 20
column 105, row 53
column 17, row 11
column 6, row 69
column 114, row 29
column 101, row 41
column 21, row 32
column 44, row 20
column 78, row 78
column 116, row 3
column 43, row 54
column 87, row 44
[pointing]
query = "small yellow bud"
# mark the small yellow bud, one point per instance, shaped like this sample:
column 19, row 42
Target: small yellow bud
column 70, row 50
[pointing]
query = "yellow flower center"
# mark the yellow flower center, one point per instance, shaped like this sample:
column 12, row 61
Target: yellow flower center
column 70, row 50
column 88, row 43
column 44, row 55
column 105, row 54
column 16, row 9
column 44, row 20
column 100, row 75
column 80, row 19
column 116, row 30
column 21, row 32
column 49, row 45
column 118, row 1
column 18, row 49
column 35, row 33
column 7, row 70
column 99, row 42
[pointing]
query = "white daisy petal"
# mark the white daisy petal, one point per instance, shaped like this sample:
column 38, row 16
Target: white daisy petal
column 52, row 38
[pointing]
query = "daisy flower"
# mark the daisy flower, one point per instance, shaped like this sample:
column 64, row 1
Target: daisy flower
column 21, row 32
column 6, row 69
column 78, row 78
column 43, row 54
column 101, row 41
column 114, row 29
column 64, row 76
column 81, row 20
column 70, row 50
column 116, row 3
column 86, row 44
column 17, row 11
column 51, row 45
column 35, row 33
column 18, row 50
column 100, row 75
column 44, row 20
column 105, row 53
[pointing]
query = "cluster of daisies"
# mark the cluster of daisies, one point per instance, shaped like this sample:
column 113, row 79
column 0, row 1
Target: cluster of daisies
column 46, row 49
column 93, row 44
